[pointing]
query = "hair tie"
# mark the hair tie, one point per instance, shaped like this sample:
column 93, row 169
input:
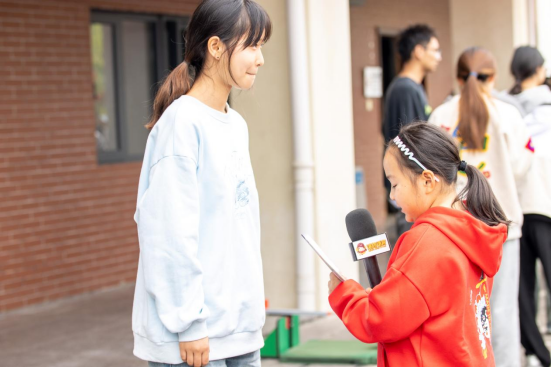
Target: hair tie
column 463, row 166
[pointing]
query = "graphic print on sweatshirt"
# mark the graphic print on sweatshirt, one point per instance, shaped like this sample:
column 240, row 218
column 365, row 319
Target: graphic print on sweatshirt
column 482, row 311
column 237, row 172
column 463, row 146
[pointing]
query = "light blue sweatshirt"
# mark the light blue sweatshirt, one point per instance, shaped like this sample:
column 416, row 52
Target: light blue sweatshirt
column 200, row 272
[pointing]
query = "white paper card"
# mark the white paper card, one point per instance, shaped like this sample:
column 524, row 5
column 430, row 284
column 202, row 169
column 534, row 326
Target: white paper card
column 324, row 257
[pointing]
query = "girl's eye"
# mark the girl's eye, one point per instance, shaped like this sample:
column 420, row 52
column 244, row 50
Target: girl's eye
column 394, row 186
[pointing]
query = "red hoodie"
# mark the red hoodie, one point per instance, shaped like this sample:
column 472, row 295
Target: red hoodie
column 432, row 307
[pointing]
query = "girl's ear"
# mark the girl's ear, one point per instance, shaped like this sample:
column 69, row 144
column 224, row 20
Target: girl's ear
column 429, row 181
column 215, row 47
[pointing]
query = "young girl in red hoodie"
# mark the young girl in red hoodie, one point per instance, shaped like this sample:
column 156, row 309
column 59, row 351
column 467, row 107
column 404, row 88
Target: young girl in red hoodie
column 432, row 308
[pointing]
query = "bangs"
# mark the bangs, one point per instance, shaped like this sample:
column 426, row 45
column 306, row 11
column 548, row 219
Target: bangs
column 255, row 25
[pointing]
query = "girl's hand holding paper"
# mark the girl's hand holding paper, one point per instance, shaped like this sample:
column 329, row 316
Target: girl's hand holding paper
column 324, row 257
column 333, row 283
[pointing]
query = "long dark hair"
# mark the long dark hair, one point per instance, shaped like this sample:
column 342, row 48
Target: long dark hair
column 439, row 153
column 475, row 66
column 231, row 21
column 524, row 65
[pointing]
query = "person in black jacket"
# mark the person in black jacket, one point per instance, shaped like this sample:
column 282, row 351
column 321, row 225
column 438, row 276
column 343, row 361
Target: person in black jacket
column 405, row 98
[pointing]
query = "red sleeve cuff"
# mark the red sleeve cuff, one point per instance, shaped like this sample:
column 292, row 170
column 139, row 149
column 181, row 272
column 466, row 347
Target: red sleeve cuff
column 337, row 296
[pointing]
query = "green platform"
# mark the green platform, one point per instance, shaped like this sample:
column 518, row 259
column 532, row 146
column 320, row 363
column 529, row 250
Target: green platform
column 327, row 351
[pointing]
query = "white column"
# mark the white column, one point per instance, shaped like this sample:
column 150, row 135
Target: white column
column 520, row 23
column 544, row 31
column 333, row 138
column 303, row 163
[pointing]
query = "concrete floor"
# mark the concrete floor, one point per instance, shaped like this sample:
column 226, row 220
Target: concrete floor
column 95, row 330
column 90, row 330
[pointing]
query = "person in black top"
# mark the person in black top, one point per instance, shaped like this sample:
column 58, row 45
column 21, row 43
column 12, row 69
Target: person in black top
column 405, row 98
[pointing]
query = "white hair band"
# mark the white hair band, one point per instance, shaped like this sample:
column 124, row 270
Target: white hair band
column 403, row 148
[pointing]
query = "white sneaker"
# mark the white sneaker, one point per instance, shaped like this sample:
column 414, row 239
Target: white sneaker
column 532, row 361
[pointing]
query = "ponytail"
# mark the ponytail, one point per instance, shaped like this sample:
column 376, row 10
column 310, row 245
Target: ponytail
column 525, row 64
column 473, row 114
column 479, row 200
column 176, row 84
column 516, row 89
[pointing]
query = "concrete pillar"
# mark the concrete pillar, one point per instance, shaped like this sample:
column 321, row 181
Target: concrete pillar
column 332, row 119
column 543, row 14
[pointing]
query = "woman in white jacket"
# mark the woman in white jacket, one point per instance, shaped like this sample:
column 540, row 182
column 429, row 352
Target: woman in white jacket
column 533, row 97
column 492, row 136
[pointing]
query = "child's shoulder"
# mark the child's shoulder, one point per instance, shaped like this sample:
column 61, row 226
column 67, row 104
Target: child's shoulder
column 181, row 113
column 187, row 110
column 425, row 244
column 418, row 234
column 177, row 133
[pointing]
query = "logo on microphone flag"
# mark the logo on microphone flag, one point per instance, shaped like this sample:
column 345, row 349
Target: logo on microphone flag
column 370, row 247
column 361, row 249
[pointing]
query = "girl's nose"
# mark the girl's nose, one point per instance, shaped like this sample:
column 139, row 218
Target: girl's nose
column 260, row 59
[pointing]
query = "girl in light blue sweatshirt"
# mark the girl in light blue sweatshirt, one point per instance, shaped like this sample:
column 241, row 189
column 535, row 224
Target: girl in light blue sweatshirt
column 199, row 291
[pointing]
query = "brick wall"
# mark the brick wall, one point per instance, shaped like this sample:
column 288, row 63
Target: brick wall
column 66, row 222
column 365, row 51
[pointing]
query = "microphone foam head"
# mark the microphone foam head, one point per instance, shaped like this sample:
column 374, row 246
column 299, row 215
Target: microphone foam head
column 360, row 224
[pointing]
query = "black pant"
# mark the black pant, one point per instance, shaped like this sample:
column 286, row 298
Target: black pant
column 535, row 243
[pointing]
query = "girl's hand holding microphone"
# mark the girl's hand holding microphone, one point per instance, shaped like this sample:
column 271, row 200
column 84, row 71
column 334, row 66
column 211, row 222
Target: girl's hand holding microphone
column 195, row 353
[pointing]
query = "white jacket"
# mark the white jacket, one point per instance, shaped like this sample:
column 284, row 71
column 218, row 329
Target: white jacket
column 505, row 159
column 534, row 193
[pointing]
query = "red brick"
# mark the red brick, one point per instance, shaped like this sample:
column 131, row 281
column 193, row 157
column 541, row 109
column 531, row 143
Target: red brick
column 66, row 222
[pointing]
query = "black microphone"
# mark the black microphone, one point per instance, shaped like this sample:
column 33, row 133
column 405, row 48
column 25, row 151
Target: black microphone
column 360, row 226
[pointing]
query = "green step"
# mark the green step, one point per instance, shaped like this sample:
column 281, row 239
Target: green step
column 284, row 336
column 328, row 351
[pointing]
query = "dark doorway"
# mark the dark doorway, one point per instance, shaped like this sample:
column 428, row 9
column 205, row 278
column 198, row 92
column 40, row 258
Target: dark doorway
column 389, row 60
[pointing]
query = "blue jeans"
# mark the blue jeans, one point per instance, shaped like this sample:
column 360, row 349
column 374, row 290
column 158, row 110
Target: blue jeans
column 247, row 360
